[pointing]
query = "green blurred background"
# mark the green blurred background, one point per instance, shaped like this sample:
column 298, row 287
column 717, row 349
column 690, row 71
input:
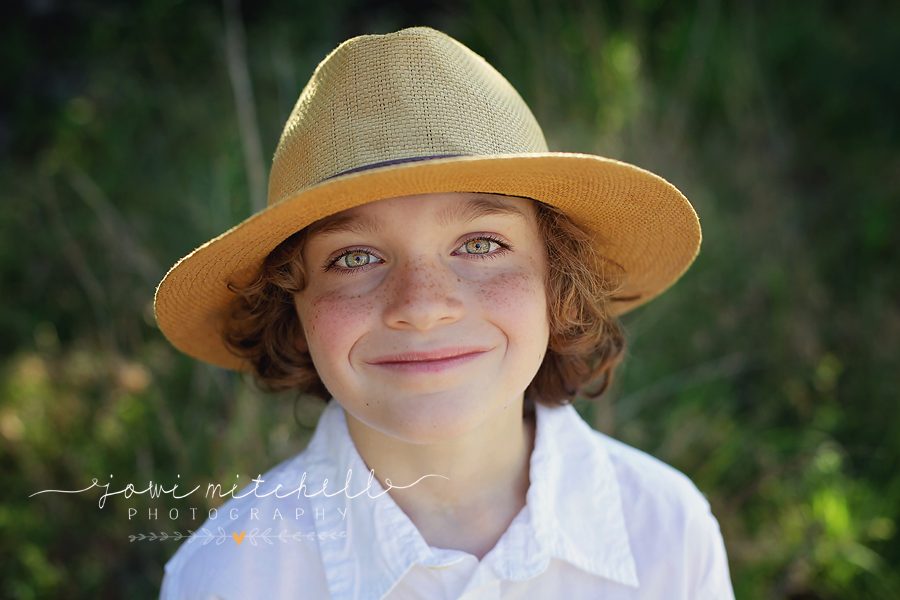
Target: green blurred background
column 132, row 132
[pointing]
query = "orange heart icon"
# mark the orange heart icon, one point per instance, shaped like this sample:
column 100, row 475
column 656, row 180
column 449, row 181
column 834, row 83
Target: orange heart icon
column 239, row 538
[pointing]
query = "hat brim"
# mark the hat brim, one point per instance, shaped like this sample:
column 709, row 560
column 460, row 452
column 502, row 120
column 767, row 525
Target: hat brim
column 643, row 223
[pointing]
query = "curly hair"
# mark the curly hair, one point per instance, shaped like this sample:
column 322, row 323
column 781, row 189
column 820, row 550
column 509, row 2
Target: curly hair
column 585, row 346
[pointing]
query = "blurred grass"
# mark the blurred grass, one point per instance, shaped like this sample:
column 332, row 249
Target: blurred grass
column 767, row 374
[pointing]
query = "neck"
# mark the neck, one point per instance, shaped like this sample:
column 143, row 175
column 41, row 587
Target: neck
column 487, row 471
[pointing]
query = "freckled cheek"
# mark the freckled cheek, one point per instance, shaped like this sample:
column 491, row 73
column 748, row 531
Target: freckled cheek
column 518, row 302
column 334, row 324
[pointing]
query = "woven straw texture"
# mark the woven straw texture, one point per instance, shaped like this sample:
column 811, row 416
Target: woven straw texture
column 411, row 94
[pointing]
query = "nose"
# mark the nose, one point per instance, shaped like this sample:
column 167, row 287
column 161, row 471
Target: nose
column 423, row 294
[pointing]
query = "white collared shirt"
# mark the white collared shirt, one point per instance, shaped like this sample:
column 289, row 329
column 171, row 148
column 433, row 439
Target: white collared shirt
column 601, row 520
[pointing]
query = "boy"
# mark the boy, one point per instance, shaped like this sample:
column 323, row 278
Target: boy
column 450, row 284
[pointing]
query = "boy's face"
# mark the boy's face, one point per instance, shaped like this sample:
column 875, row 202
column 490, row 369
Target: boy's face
column 426, row 315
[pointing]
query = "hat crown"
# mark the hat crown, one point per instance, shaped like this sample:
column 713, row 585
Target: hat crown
column 383, row 98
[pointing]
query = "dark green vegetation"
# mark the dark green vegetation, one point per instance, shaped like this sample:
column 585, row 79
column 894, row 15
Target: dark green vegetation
column 768, row 374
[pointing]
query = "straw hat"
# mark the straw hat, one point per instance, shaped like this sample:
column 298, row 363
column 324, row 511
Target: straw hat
column 416, row 112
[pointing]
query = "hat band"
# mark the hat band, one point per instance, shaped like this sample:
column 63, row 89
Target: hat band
column 396, row 161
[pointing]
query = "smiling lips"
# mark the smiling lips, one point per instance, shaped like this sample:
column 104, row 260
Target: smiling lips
column 432, row 361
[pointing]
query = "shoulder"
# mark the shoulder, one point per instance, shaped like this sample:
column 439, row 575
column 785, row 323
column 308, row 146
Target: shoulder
column 648, row 482
column 278, row 545
column 675, row 539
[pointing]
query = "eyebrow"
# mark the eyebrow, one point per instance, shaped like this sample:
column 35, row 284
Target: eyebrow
column 343, row 224
column 475, row 208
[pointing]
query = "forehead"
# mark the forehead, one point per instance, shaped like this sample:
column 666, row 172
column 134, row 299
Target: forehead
column 442, row 210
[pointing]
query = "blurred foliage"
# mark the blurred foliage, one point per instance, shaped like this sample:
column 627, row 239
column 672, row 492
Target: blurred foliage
column 768, row 374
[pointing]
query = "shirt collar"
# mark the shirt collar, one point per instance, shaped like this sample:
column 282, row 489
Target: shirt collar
column 573, row 513
column 576, row 503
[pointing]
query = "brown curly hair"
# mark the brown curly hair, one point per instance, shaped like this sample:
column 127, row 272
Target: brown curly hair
column 586, row 341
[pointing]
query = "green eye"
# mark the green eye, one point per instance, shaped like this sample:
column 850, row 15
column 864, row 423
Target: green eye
column 478, row 246
column 356, row 259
